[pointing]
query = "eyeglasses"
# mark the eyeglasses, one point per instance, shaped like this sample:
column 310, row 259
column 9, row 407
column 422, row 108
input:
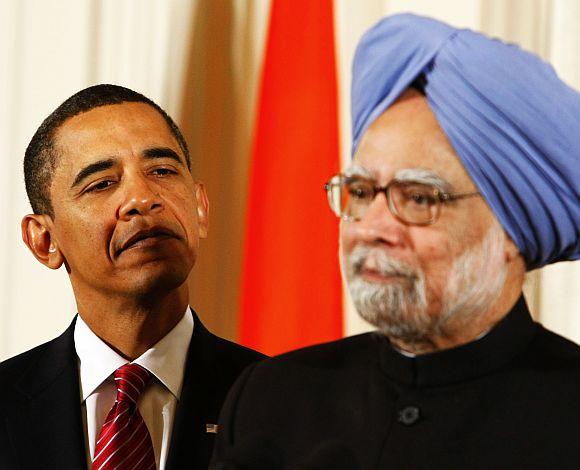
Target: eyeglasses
column 411, row 202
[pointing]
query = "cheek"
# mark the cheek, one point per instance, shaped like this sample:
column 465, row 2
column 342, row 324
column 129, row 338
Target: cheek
column 435, row 256
column 84, row 234
column 91, row 233
column 184, row 207
column 347, row 237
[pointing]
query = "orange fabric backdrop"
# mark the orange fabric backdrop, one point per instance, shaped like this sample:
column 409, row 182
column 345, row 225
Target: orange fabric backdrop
column 291, row 294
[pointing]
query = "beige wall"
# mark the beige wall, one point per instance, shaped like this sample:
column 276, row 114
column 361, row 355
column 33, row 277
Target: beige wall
column 201, row 61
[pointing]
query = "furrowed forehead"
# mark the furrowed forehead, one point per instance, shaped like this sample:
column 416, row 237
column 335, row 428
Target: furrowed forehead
column 111, row 132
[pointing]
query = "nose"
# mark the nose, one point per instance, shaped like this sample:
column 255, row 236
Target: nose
column 139, row 198
column 379, row 225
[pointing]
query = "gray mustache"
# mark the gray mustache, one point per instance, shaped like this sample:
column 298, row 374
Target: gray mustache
column 386, row 265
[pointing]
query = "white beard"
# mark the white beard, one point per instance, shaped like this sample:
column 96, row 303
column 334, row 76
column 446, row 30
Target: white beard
column 400, row 310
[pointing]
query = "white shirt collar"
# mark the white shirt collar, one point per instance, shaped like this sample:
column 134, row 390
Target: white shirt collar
column 165, row 360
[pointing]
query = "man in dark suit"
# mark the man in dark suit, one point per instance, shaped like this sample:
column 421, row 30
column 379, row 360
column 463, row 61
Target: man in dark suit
column 136, row 381
column 465, row 175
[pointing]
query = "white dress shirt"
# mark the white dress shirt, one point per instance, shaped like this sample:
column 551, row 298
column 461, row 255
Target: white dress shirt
column 166, row 362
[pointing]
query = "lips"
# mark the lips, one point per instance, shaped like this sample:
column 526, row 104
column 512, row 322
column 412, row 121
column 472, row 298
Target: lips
column 377, row 269
column 374, row 264
column 149, row 234
column 387, row 269
column 383, row 276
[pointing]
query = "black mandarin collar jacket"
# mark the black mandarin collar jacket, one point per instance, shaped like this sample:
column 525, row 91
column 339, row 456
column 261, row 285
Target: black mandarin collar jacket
column 510, row 400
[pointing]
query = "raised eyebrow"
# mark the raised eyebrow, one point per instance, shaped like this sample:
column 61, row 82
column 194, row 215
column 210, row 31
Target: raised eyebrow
column 356, row 170
column 421, row 175
column 162, row 152
column 93, row 168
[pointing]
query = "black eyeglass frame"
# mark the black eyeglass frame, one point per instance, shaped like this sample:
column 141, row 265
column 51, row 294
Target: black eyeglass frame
column 442, row 197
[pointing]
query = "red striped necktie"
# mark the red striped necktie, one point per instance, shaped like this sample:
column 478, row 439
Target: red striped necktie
column 124, row 441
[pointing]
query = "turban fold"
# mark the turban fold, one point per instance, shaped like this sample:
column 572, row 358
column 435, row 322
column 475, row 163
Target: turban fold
column 514, row 124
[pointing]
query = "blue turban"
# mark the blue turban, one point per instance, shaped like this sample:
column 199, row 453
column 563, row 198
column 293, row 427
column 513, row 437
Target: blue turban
column 514, row 124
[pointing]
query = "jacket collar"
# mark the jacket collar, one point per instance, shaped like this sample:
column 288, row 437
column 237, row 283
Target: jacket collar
column 201, row 398
column 45, row 420
column 478, row 358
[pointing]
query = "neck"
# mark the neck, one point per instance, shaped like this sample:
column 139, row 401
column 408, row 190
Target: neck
column 132, row 325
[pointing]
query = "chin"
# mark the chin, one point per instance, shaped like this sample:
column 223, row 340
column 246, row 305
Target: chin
column 156, row 283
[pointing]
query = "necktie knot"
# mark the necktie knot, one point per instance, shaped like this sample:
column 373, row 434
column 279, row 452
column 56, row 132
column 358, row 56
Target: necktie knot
column 124, row 441
column 131, row 380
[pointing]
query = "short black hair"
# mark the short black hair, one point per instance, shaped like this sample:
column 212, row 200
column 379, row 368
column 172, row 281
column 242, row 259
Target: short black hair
column 41, row 158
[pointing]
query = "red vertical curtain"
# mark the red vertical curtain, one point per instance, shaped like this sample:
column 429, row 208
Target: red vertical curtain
column 291, row 295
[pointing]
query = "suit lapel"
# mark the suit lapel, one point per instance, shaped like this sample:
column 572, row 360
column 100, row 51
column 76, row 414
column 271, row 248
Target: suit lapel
column 201, row 398
column 45, row 422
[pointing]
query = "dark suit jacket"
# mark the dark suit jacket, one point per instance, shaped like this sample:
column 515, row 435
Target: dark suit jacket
column 510, row 400
column 40, row 414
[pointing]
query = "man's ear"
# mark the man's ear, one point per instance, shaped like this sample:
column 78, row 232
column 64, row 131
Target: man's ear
column 37, row 236
column 511, row 250
column 202, row 210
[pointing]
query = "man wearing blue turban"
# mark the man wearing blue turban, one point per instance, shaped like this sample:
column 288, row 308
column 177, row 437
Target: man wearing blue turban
column 466, row 173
